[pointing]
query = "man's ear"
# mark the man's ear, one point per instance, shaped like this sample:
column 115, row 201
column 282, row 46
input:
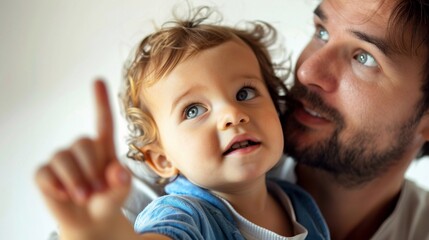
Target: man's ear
column 158, row 162
column 425, row 131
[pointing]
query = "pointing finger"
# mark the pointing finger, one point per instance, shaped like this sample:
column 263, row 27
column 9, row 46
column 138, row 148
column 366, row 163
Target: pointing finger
column 104, row 119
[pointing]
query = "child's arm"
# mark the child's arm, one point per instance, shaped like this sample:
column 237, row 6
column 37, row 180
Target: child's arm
column 84, row 186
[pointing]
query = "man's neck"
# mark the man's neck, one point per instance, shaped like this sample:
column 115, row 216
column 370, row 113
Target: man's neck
column 353, row 213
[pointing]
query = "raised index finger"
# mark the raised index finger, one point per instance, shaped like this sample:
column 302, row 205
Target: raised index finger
column 104, row 118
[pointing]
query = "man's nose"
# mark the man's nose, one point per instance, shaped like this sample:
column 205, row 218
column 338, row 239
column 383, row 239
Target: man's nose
column 232, row 116
column 320, row 69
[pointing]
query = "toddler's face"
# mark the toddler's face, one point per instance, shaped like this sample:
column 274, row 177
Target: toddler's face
column 217, row 123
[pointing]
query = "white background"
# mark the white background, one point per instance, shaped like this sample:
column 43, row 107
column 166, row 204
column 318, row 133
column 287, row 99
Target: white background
column 50, row 52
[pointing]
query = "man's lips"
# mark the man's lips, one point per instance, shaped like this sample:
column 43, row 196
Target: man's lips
column 241, row 143
column 308, row 115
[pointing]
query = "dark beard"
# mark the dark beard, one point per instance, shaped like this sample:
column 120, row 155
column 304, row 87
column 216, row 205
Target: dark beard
column 353, row 162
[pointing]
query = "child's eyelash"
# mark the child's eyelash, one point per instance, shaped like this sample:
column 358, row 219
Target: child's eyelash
column 249, row 84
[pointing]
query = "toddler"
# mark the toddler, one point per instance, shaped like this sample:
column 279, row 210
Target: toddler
column 202, row 101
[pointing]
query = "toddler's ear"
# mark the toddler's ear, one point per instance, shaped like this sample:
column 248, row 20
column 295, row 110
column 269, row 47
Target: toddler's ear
column 158, row 162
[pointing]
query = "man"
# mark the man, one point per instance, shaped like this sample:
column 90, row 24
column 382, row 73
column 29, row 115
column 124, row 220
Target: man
column 362, row 93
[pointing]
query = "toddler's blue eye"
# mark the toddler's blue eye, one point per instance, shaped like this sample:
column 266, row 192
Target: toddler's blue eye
column 245, row 93
column 194, row 111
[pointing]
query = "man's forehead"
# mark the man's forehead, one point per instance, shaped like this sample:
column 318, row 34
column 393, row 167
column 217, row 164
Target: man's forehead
column 361, row 11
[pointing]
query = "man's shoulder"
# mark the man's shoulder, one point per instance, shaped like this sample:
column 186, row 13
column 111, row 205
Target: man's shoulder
column 410, row 218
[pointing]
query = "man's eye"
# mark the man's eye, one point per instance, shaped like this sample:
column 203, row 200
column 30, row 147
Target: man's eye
column 246, row 93
column 322, row 34
column 366, row 59
column 194, row 111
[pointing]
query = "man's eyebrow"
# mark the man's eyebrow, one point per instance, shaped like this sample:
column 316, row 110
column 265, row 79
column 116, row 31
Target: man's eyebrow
column 320, row 13
column 379, row 43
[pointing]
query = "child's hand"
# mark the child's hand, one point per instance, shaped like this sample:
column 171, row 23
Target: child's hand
column 84, row 185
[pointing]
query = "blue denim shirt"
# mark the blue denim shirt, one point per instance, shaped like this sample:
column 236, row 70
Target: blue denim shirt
column 191, row 212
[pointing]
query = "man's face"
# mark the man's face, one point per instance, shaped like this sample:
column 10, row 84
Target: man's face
column 356, row 111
